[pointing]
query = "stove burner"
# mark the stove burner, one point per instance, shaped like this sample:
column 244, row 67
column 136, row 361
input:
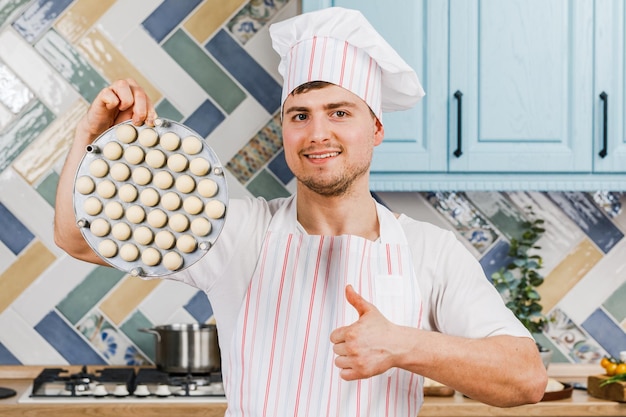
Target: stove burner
column 124, row 382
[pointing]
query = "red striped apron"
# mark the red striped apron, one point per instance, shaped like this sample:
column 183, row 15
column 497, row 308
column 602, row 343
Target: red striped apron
column 281, row 362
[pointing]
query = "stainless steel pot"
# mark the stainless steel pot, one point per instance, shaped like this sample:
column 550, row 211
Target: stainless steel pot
column 186, row 348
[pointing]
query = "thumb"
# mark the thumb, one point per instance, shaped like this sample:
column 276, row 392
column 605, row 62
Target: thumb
column 359, row 303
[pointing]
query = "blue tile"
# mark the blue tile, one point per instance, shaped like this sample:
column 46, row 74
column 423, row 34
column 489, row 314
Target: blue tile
column 592, row 220
column 13, row 233
column 168, row 16
column 246, row 70
column 199, row 307
column 279, row 167
column 205, row 119
column 606, row 332
column 496, row 258
column 67, row 341
column 37, row 18
column 6, row 357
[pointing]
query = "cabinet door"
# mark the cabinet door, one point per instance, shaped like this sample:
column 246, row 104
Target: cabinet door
column 610, row 85
column 524, row 68
column 415, row 139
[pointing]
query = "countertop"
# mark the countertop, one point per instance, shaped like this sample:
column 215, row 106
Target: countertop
column 20, row 378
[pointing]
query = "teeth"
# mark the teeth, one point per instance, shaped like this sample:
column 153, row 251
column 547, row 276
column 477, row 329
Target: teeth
column 324, row 155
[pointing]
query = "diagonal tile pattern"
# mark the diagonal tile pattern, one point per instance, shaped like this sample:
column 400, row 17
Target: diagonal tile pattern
column 207, row 64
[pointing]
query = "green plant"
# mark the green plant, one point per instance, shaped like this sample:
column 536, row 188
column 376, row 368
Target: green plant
column 517, row 281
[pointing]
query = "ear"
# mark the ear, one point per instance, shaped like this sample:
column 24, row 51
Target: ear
column 379, row 132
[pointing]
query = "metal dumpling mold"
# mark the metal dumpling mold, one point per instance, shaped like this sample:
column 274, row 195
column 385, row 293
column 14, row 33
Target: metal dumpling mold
column 150, row 201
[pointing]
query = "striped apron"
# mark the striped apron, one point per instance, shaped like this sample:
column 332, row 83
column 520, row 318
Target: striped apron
column 281, row 361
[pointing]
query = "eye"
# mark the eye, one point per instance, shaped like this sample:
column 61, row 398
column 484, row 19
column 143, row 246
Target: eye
column 340, row 113
column 300, row 117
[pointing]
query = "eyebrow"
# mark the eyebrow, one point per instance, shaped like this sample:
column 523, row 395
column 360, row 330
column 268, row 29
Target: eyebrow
column 330, row 106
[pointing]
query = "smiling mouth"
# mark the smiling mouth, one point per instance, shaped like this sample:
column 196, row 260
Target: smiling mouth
column 323, row 155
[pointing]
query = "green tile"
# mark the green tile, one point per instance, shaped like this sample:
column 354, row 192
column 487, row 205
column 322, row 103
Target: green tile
column 71, row 65
column 144, row 341
column 544, row 341
column 266, row 186
column 48, row 187
column 17, row 136
column 615, row 305
column 89, row 293
column 167, row 110
column 204, row 71
column 7, row 7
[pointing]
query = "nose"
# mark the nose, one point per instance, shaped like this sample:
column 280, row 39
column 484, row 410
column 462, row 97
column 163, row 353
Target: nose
column 320, row 130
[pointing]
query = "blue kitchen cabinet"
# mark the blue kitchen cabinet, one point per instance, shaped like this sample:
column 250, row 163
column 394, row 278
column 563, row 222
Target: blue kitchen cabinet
column 609, row 87
column 525, row 77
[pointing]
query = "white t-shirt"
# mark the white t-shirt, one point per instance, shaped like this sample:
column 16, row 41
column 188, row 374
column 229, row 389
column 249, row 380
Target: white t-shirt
column 457, row 297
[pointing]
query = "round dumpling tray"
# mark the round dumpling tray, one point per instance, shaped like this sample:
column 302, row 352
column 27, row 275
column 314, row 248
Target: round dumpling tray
column 150, row 201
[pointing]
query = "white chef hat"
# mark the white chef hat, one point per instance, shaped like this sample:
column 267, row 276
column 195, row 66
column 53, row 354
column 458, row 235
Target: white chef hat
column 340, row 46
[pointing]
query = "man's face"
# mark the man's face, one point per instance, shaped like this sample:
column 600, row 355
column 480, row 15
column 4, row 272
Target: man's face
column 329, row 135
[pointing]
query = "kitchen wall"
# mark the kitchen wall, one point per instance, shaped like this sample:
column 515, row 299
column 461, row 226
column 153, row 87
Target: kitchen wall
column 209, row 64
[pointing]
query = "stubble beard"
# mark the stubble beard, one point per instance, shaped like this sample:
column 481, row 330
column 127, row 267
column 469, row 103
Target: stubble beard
column 337, row 185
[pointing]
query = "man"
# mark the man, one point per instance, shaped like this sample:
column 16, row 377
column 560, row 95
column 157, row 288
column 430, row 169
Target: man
column 326, row 302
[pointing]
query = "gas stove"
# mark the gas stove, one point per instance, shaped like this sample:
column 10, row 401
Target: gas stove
column 124, row 383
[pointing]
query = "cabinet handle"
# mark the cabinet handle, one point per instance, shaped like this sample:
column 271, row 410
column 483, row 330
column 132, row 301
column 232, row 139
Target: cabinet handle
column 604, row 151
column 458, row 152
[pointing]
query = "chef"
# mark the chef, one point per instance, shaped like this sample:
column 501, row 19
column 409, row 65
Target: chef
column 326, row 302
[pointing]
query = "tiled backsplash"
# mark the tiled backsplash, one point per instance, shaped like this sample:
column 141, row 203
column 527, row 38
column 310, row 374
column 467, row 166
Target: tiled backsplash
column 209, row 65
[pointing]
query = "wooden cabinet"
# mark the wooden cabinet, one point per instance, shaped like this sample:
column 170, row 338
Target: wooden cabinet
column 525, row 77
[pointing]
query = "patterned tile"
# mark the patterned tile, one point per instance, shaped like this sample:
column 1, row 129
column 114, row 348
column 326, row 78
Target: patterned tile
column 66, row 341
column 572, row 339
column 80, row 17
column 38, row 17
column 167, row 16
column 71, row 65
column 218, row 85
column 500, row 211
column 266, row 186
column 125, row 297
column 144, row 341
column 254, row 16
column 257, row 152
column 13, row 233
column 209, row 17
column 20, row 134
column 88, row 293
column 246, row 71
column 199, row 307
column 608, row 333
column 112, row 345
column 465, row 218
column 578, row 207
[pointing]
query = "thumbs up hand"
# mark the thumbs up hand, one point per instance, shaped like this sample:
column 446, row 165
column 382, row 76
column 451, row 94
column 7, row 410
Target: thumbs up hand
column 364, row 348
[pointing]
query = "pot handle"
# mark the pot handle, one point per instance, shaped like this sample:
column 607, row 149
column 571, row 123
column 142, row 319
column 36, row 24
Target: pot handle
column 152, row 331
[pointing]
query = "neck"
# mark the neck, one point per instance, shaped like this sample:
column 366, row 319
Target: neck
column 351, row 214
